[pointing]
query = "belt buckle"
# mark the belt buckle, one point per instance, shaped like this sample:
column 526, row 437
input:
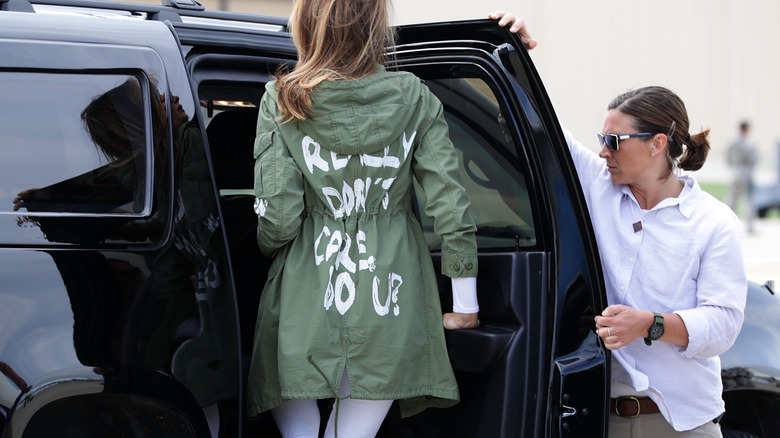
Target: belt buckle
column 627, row 397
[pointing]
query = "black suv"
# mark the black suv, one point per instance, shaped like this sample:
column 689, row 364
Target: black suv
column 129, row 269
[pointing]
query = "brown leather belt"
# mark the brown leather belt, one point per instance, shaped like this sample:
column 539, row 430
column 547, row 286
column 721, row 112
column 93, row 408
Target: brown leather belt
column 630, row 407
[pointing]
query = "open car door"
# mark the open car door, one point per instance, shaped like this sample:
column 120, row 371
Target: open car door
column 535, row 367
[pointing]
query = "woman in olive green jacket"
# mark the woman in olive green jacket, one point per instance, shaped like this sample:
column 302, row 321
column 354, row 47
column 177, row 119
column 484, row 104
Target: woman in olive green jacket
column 351, row 308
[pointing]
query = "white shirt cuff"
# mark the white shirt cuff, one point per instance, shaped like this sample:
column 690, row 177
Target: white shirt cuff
column 464, row 295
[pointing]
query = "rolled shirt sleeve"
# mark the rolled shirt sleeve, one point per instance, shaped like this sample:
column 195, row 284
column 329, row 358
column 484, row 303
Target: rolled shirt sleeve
column 715, row 322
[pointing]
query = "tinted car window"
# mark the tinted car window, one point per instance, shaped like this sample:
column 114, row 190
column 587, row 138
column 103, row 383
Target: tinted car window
column 492, row 173
column 50, row 156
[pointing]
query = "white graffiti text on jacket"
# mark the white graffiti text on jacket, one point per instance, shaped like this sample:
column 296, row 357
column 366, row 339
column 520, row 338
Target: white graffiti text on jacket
column 334, row 247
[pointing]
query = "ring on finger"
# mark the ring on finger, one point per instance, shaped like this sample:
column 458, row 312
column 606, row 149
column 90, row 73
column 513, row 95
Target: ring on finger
column 609, row 332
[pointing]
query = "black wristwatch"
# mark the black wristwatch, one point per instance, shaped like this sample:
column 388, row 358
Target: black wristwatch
column 656, row 330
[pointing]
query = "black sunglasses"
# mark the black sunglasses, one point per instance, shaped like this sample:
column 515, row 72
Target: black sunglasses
column 612, row 141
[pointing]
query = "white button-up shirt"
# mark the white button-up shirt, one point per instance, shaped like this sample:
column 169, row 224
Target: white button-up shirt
column 685, row 259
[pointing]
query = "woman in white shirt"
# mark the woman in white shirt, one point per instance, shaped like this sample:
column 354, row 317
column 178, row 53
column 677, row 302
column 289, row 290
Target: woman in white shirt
column 672, row 260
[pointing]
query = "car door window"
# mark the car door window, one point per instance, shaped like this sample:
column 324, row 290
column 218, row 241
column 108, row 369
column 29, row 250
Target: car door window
column 492, row 172
column 79, row 147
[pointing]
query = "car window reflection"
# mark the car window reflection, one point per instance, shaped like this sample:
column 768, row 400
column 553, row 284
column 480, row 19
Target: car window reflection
column 55, row 165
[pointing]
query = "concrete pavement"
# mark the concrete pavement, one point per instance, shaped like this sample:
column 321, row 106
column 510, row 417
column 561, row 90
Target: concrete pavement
column 762, row 251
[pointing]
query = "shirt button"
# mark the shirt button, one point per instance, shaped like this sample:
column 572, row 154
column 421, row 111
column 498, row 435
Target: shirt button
column 631, row 260
column 622, row 288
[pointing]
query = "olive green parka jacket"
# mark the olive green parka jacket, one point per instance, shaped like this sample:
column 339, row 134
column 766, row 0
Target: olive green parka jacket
column 352, row 284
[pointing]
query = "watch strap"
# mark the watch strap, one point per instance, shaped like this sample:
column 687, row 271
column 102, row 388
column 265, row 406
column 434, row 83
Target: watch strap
column 658, row 319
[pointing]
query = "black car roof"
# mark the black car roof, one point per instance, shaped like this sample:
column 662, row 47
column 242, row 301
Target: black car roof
column 175, row 11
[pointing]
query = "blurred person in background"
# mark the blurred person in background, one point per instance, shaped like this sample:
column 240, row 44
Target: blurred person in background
column 742, row 156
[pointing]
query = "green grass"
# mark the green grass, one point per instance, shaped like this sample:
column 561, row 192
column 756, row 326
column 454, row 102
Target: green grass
column 720, row 191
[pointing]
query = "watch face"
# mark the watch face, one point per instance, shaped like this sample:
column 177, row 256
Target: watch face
column 656, row 331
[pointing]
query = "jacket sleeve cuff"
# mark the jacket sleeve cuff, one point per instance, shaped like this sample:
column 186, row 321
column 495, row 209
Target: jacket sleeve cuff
column 456, row 265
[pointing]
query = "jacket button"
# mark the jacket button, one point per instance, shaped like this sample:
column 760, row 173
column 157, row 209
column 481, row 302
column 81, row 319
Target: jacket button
column 469, row 265
column 456, row 266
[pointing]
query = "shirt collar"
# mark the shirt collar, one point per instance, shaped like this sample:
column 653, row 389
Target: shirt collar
column 685, row 201
column 690, row 195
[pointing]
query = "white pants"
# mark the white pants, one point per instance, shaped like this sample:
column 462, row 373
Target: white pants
column 350, row 418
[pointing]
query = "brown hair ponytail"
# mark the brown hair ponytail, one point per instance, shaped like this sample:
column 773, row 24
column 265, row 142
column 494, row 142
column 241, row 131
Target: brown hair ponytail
column 696, row 151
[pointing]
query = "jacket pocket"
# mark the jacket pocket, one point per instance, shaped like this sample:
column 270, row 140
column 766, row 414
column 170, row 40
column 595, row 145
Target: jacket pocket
column 263, row 142
column 265, row 164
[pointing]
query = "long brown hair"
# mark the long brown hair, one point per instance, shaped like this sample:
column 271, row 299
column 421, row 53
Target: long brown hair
column 116, row 124
column 336, row 40
column 658, row 109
